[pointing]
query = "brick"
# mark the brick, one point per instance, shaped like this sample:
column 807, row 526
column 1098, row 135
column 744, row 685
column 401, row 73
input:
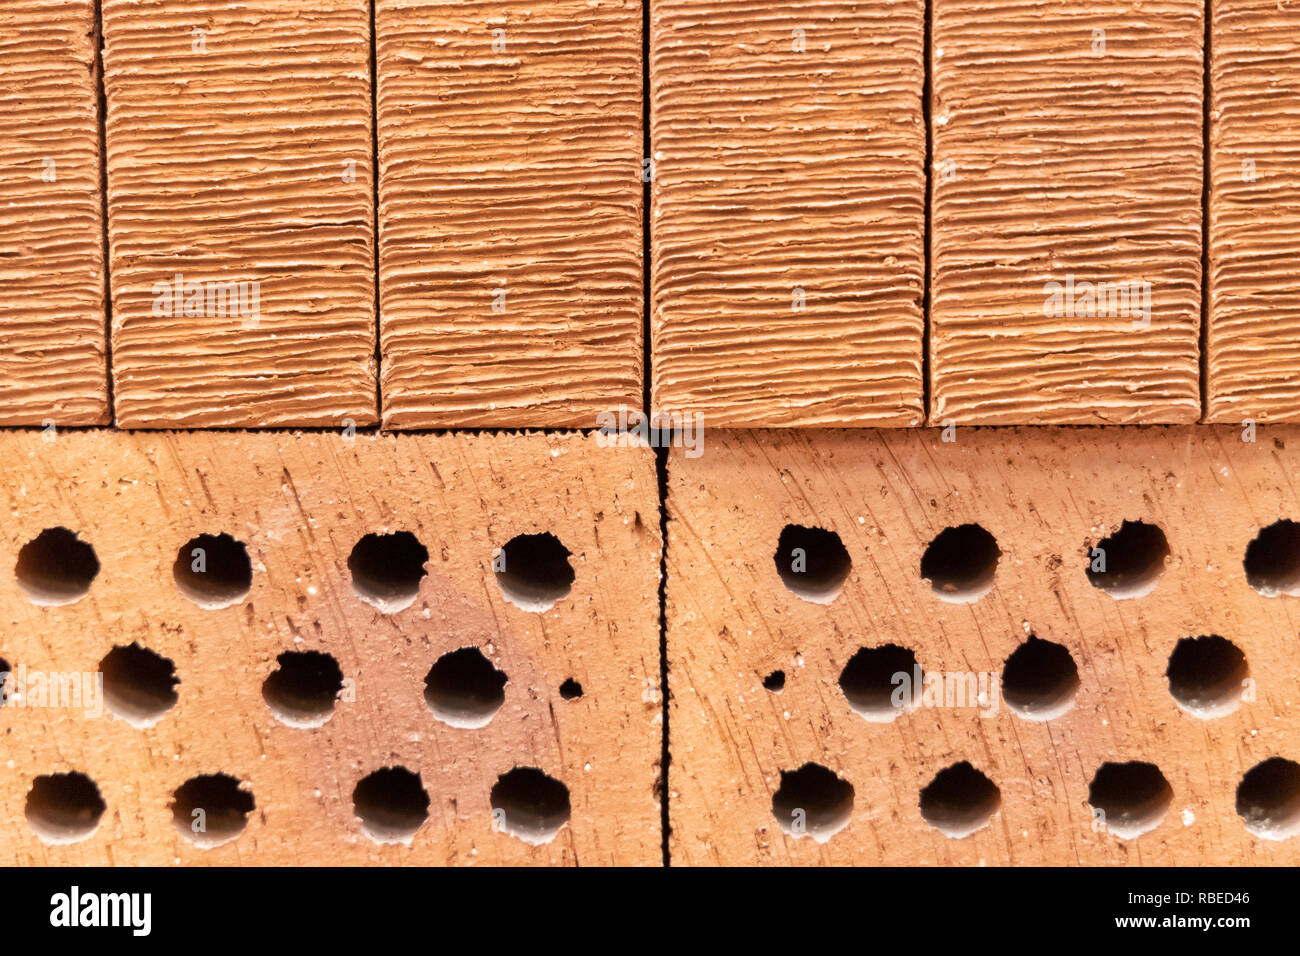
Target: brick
column 788, row 212
column 1047, row 497
column 1253, row 323
column 52, row 366
column 299, row 503
column 239, row 161
column 510, row 270
column 1067, row 143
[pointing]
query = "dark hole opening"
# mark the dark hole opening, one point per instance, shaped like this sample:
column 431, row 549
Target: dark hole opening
column 302, row 690
column 211, row 809
column 1127, row 563
column 528, row 804
column 1039, row 680
column 139, row 684
column 463, row 689
column 812, row 562
column 1206, row 675
column 1268, row 799
column 213, row 571
column 570, row 689
column 64, row 807
column 960, row 563
column 812, row 801
column 392, row 804
column 533, row 571
column 387, row 569
column 1132, row 797
column 959, row 801
column 775, row 682
column 881, row 682
column 56, row 567
column 1273, row 560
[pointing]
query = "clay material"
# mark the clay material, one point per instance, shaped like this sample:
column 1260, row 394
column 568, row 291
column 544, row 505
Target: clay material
column 240, row 207
column 52, row 364
column 510, row 146
column 1066, row 212
column 788, row 212
column 1072, row 676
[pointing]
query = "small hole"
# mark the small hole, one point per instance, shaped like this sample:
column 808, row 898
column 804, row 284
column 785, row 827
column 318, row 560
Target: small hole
column 392, row 804
column 213, row 571
column 7, row 679
column 528, row 804
column 139, row 684
column 1273, row 560
column 302, row 690
column 463, row 689
column 211, row 809
column 387, row 570
column 1268, row 799
column 533, row 571
column 56, row 567
column 881, row 682
column 812, row 801
column 812, row 562
column 960, row 563
column 64, row 807
column 1132, row 798
column 1128, row 563
column 959, row 801
column 1206, row 675
column 570, row 689
column 775, row 681
column 1039, row 680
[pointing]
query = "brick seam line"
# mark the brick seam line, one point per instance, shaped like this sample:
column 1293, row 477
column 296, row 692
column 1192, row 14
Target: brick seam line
column 1204, row 338
column 374, row 187
column 102, row 106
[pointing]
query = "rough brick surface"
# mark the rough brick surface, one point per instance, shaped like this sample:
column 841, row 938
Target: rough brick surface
column 239, row 151
column 510, row 272
column 1048, row 496
column 300, row 503
column 1253, row 330
column 1067, row 142
column 52, row 364
column 788, row 211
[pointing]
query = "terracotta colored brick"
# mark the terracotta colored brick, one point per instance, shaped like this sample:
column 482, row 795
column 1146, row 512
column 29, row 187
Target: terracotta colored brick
column 510, row 271
column 1048, row 498
column 1253, row 330
column 239, row 160
column 52, row 365
column 1067, row 142
column 299, row 504
column 788, row 211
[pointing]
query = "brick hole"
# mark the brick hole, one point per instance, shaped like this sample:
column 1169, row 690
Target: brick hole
column 960, row 563
column 139, row 684
column 213, row 571
column 211, row 809
column 529, row 805
column 7, row 680
column 392, row 805
column 464, row 689
column 1128, row 563
column 64, row 807
column 959, row 801
column 1206, row 675
column 1268, row 799
column 570, row 689
column 533, row 571
column 775, row 682
column 1133, row 797
column 812, row 801
column 387, row 570
column 812, row 562
column 303, row 688
column 1272, row 560
column 881, row 682
column 1039, row 680
column 56, row 567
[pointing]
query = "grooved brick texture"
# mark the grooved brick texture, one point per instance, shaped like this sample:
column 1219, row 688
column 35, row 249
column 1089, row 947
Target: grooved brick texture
column 1067, row 141
column 510, row 269
column 1252, row 342
column 788, row 212
column 239, row 145
column 52, row 364
column 300, row 502
column 1048, row 497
